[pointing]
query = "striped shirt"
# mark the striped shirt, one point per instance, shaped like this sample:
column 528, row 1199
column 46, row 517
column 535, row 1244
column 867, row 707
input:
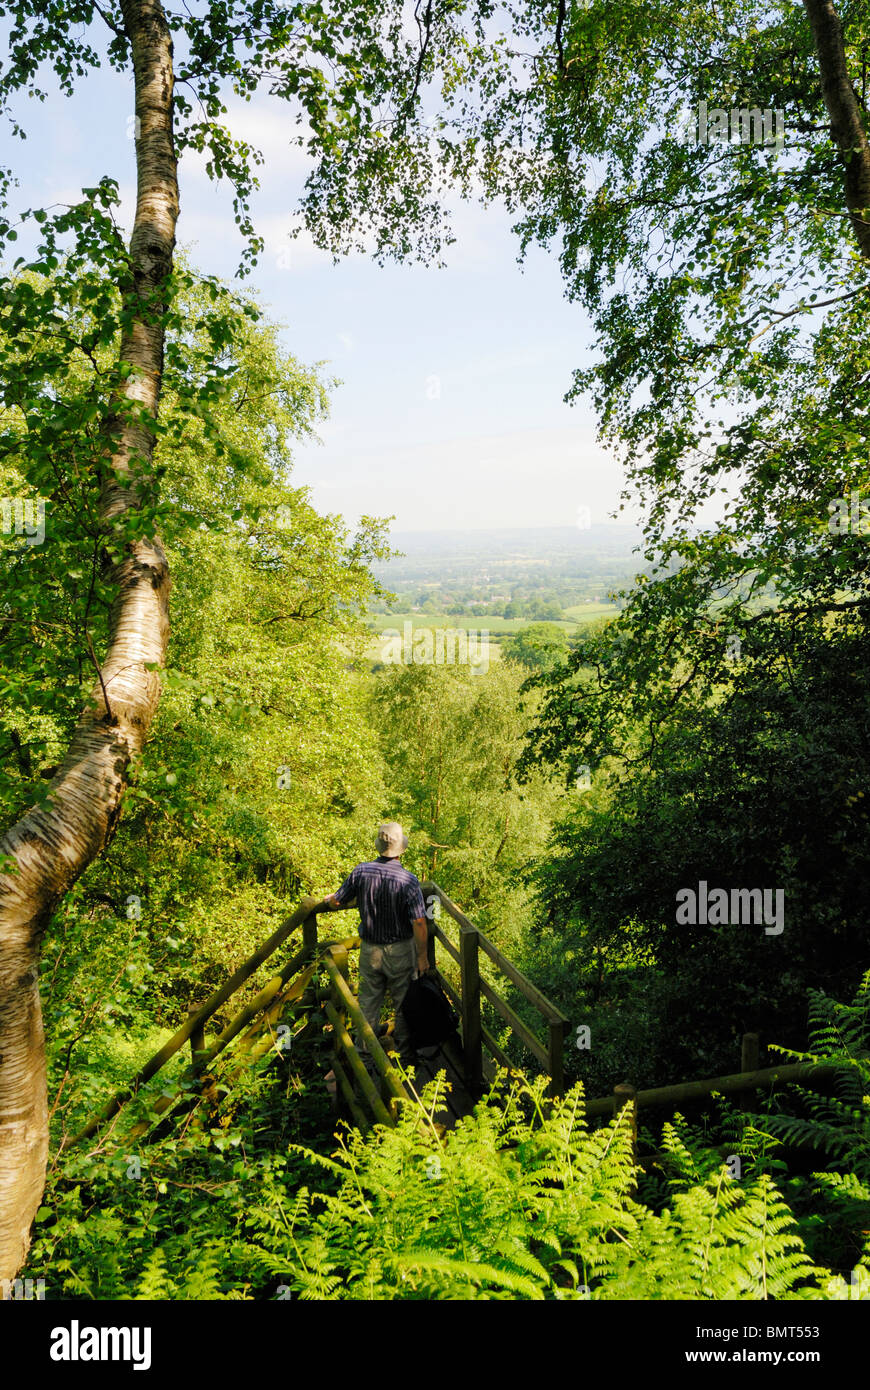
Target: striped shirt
column 389, row 899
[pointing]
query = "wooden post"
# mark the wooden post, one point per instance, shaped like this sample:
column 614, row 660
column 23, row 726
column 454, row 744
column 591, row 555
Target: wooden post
column 197, row 1037
column 339, row 955
column 749, row 1052
column 556, row 1051
column 363, row 1031
column 472, row 1038
column 749, row 1062
column 309, row 934
column 625, row 1095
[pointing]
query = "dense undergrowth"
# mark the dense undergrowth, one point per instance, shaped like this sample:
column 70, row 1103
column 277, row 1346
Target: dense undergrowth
column 248, row 1198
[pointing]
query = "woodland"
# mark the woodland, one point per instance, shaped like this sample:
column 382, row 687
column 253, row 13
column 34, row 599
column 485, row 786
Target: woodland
column 195, row 733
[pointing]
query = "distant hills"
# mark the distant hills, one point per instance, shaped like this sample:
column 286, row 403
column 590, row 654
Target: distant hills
column 541, row 542
column 535, row 573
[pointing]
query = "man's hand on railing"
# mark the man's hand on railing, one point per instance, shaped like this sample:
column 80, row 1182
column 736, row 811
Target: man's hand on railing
column 331, row 904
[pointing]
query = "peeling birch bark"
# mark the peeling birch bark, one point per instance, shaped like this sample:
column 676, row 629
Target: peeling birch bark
column 52, row 845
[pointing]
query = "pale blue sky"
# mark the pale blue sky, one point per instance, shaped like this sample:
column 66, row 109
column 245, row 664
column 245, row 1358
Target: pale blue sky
column 451, row 413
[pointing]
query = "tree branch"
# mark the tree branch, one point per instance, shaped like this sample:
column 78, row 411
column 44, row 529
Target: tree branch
column 111, row 23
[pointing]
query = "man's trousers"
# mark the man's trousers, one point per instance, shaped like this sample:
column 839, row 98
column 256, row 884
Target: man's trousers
column 383, row 968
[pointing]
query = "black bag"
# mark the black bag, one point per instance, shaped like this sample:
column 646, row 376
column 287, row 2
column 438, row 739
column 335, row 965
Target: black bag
column 428, row 1013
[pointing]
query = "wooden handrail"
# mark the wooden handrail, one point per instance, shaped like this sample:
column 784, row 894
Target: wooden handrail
column 445, row 941
column 737, row 1081
column 349, row 1066
column 275, row 994
column 272, row 999
column 357, row 1066
column 347, row 1091
column 515, row 1022
column 293, row 999
column 194, row 1023
column 205, row 1058
column 379, row 1057
column 493, row 1048
column 475, row 1037
column 524, row 985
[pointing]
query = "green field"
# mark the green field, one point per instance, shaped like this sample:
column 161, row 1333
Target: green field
column 585, row 612
column 580, row 614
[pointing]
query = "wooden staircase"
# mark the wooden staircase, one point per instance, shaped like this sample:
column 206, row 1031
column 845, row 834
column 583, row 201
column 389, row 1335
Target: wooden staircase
column 312, row 995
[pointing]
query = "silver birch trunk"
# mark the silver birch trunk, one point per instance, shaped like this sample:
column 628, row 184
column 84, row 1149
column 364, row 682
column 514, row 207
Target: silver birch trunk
column 54, row 844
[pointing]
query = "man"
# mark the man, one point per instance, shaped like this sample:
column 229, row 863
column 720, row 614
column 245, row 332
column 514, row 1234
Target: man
column 393, row 930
